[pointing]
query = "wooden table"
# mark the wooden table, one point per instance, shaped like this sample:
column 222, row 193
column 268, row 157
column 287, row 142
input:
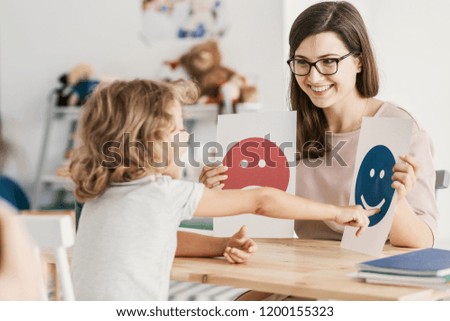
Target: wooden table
column 304, row 268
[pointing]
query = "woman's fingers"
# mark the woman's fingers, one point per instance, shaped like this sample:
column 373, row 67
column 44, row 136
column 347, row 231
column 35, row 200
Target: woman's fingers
column 414, row 163
column 211, row 176
column 212, row 181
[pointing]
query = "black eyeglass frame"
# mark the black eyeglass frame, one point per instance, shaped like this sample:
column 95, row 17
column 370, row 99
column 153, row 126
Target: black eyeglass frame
column 313, row 64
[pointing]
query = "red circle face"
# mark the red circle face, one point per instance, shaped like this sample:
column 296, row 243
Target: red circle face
column 256, row 161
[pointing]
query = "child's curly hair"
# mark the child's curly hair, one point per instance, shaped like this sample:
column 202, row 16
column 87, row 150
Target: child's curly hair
column 139, row 110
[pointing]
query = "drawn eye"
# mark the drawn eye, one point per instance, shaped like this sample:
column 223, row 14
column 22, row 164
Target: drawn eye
column 262, row 163
column 372, row 172
column 244, row 163
column 382, row 174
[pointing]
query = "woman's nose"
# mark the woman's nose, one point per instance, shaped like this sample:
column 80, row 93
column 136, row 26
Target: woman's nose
column 314, row 75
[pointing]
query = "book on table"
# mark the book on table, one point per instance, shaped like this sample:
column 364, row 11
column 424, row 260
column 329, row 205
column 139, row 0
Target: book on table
column 437, row 282
column 428, row 262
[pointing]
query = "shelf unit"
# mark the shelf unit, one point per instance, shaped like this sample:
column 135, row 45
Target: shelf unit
column 59, row 184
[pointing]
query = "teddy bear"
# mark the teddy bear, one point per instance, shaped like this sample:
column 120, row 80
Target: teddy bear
column 218, row 84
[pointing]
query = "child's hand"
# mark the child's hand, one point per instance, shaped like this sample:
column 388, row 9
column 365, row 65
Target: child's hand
column 355, row 216
column 240, row 248
column 405, row 175
column 213, row 176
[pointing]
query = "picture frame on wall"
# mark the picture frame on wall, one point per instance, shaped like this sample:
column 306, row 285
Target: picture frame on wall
column 178, row 20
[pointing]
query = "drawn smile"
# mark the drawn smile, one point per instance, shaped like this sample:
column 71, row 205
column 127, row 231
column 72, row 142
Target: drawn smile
column 367, row 207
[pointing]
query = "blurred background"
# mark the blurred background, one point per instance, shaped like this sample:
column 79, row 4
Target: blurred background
column 41, row 40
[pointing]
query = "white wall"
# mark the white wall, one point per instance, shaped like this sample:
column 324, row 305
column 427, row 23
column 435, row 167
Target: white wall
column 412, row 46
column 40, row 40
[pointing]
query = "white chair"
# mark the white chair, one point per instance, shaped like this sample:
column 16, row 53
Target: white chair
column 54, row 234
column 442, row 179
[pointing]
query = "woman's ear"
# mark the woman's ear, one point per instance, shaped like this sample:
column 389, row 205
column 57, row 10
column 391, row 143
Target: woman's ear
column 359, row 64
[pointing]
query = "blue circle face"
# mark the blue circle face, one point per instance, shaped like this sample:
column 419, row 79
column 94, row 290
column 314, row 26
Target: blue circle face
column 373, row 183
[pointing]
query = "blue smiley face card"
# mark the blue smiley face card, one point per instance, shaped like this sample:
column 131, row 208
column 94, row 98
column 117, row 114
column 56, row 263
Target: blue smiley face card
column 373, row 182
column 381, row 141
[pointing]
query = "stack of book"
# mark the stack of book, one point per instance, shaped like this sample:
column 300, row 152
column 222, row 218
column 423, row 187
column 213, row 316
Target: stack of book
column 423, row 268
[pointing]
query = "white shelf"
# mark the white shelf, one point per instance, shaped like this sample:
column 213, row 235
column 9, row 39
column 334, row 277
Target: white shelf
column 60, row 181
column 66, row 110
column 211, row 111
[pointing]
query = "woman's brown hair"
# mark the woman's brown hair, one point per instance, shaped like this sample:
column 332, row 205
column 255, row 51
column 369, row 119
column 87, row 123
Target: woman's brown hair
column 343, row 19
column 123, row 129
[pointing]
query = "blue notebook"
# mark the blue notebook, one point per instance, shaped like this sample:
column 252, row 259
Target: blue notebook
column 426, row 262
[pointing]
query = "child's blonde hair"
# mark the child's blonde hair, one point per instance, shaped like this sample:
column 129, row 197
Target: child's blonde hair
column 139, row 109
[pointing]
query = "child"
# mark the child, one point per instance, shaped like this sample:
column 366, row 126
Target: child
column 126, row 172
column 20, row 271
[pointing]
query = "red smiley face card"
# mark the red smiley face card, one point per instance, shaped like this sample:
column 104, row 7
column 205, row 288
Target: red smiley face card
column 256, row 161
column 259, row 150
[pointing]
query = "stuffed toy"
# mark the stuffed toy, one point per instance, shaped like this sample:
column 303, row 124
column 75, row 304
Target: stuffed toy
column 218, row 84
column 80, row 78
column 76, row 86
column 63, row 93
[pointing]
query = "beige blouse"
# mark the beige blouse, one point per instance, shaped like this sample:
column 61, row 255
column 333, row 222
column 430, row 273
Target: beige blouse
column 331, row 183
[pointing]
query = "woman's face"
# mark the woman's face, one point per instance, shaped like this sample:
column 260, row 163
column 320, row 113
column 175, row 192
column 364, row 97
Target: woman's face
column 333, row 90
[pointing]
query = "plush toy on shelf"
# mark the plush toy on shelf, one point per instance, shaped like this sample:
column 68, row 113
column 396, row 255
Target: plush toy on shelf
column 76, row 86
column 218, row 84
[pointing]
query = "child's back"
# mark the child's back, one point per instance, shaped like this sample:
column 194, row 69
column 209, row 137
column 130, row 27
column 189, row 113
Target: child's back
column 131, row 227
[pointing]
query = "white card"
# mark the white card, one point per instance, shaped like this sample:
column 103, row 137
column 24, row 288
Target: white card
column 259, row 150
column 381, row 141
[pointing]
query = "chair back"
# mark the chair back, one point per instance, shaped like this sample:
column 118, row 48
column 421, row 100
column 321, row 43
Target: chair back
column 54, row 234
column 442, row 179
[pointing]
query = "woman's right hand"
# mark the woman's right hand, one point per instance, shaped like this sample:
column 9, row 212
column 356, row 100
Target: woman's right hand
column 355, row 216
column 213, row 176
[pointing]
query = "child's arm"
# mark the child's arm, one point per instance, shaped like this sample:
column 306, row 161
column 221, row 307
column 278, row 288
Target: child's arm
column 236, row 249
column 275, row 203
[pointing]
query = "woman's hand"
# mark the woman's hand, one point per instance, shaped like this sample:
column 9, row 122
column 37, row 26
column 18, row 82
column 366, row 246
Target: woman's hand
column 213, row 176
column 240, row 248
column 355, row 216
column 405, row 175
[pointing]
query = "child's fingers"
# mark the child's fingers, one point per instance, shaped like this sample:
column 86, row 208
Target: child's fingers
column 239, row 256
column 360, row 231
column 228, row 258
column 250, row 246
column 372, row 211
column 362, row 222
column 241, row 235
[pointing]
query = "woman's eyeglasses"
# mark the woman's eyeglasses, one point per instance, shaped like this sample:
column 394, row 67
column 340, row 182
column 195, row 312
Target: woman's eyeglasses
column 325, row 66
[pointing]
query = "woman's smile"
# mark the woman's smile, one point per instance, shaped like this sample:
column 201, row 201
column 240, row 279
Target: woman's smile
column 320, row 90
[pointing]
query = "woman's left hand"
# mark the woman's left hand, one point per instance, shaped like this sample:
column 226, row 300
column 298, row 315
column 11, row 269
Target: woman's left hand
column 405, row 175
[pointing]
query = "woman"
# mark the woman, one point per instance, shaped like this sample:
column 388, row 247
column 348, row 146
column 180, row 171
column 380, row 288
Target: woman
column 333, row 84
